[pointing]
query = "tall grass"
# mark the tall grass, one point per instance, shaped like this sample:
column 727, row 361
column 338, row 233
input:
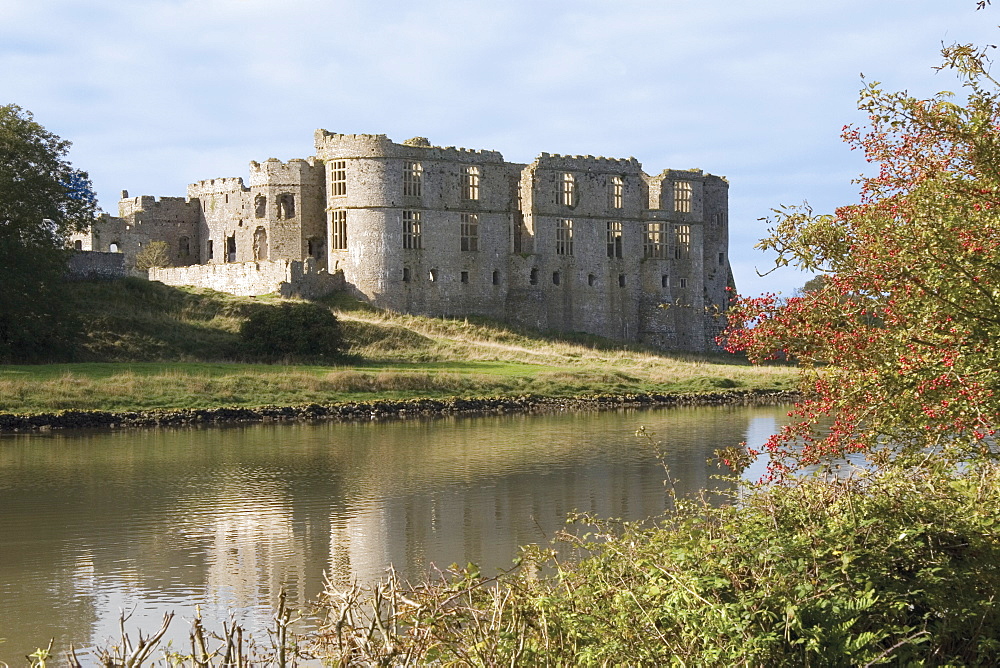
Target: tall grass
column 147, row 345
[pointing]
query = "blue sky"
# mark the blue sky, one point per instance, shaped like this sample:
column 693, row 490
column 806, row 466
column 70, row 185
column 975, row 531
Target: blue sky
column 160, row 93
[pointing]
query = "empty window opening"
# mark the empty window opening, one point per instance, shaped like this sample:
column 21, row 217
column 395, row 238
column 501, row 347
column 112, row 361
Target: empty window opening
column 496, row 277
column 470, row 232
column 260, row 206
column 614, row 239
column 260, row 244
column 338, row 178
column 209, row 251
column 77, row 245
column 227, row 198
column 533, row 277
column 654, row 244
column 315, row 247
column 591, row 280
column 470, row 182
column 556, row 278
column 621, row 280
column 184, row 247
column 722, row 258
column 564, row 237
column 682, row 196
column 338, row 229
column 231, row 249
column 682, row 242
column 665, row 281
column 411, row 230
column 413, row 176
column 406, row 274
column 465, row 277
column 432, row 275
column 113, row 247
column 567, row 196
column 617, row 192
column 286, row 206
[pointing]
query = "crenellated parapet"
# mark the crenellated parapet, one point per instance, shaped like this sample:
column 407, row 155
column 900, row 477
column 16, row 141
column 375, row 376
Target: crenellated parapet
column 219, row 186
column 166, row 208
column 334, row 146
column 295, row 172
column 587, row 163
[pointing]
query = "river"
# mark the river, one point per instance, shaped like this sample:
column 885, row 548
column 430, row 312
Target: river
column 222, row 518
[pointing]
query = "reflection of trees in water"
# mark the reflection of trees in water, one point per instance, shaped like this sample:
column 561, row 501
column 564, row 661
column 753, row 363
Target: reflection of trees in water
column 237, row 512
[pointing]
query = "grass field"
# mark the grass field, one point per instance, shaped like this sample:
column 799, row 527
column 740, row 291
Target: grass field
column 145, row 346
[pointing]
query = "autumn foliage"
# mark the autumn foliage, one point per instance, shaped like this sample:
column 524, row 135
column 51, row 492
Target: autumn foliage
column 899, row 345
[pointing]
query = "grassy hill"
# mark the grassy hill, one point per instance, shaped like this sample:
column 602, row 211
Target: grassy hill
column 146, row 345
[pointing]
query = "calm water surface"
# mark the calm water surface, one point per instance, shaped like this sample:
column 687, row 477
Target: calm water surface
column 151, row 521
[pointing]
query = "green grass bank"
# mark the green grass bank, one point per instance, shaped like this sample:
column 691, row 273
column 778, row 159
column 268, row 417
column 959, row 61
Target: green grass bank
column 145, row 346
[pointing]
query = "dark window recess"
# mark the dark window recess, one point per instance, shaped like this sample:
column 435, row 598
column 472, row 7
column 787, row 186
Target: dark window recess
column 591, row 280
column 465, row 277
column 406, row 274
column 621, row 280
column 209, row 251
column 664, row 281
column 533, row 277
column 555, row 278
column 496, row 277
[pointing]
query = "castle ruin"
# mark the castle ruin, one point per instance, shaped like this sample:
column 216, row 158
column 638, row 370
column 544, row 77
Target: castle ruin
column 566, row 243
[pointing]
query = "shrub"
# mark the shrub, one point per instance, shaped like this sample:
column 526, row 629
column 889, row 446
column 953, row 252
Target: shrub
column 291, row 330
column 891, row 567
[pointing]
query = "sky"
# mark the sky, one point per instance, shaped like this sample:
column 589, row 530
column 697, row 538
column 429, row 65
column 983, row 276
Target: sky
column 161, row 93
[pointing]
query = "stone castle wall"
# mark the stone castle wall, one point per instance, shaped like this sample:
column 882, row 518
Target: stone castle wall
column 288, row 278
column 568, row 243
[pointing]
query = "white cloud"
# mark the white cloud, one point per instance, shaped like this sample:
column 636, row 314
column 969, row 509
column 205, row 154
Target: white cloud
column 163, row 92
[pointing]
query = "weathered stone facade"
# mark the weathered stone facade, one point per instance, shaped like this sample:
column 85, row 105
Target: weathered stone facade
column 566, row 243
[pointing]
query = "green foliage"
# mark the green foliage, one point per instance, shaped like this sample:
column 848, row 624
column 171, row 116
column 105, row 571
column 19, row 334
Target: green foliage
column 291, row 330
column 42, row 198
column 898, row 339
column 154, row 254
column 884, row 568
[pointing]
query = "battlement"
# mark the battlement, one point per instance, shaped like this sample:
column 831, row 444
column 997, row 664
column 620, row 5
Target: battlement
column 130, row 205
column 330, row 145
column 274, row 172
column 587, row 163
column 216, row 186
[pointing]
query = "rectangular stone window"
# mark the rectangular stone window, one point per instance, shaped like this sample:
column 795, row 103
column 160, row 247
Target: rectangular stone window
column 338, row 177
column 411, row 230
column 564, row 237
column 338, row 229
column 614, row 239
column 682, row 242
column 464, row 277
column 470, row 232
column 567, row 196
column 413, row 177
column 682, row 196
column 654, row 244
column 682, row 283
column 406, row 274
column 470, row 183
column 617, row 192
column 209, row 251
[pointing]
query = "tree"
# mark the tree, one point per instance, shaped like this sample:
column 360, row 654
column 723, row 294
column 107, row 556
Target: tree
column 899, row 344
column 154, row 254
column 42, row 198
